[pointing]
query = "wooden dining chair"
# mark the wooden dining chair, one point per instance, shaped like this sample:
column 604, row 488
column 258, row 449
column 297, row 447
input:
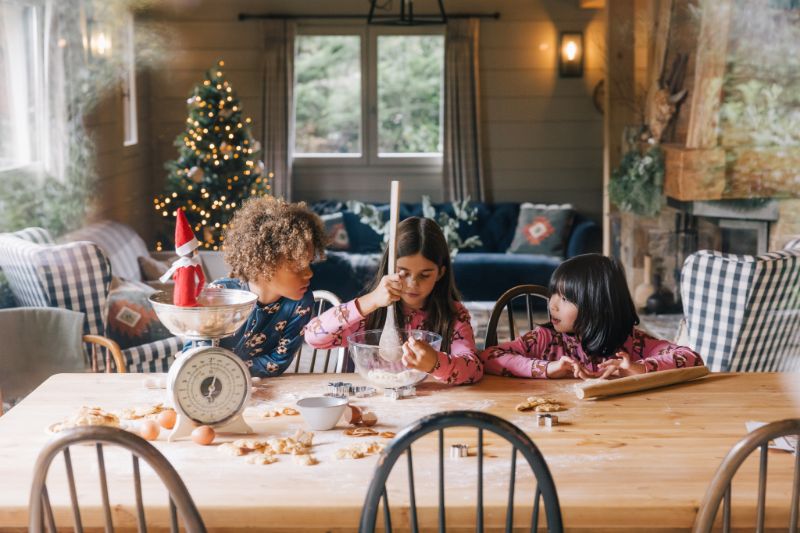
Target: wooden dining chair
column 438, row 422
column 41, row 516
column 323, row 300
column 507, row 302
column 720, row 488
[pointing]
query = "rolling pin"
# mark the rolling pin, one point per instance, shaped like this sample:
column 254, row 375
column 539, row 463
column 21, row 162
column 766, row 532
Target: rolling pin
column 639, row 382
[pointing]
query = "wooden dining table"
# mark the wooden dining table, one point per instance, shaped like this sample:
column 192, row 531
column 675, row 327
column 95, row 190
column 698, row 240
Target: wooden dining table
column 639, row 462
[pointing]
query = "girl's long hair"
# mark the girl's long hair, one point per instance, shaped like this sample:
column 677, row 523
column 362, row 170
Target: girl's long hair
column 416, row 235
column 606, row 315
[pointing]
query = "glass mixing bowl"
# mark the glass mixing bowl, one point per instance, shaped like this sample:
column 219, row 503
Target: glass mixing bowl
column 381, row 372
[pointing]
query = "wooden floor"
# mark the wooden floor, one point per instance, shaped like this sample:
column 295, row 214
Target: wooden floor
column 641, row 462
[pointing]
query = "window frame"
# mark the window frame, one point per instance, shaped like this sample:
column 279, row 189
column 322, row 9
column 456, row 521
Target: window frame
column 130, row 112
column 313, row 160
column 433, row 160
column 34, row 76
column 369, row 157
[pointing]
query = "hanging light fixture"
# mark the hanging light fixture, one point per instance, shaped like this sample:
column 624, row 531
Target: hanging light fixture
column 406, row 16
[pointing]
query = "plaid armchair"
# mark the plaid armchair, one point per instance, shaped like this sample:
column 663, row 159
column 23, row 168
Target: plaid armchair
column 743, row 312
column 74, row 276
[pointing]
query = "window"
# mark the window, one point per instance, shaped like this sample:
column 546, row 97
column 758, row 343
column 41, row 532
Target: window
column 371, row 96
column 328, row 95
column 410, row 94
column 21, row 89
column 129, row 113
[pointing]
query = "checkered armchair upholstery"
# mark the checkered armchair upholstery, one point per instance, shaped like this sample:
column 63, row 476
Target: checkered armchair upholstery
column 743, row 312
column 74, row 276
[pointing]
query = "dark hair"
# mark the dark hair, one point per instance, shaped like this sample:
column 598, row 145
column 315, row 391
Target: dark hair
column 606, row 315
column 417, row 235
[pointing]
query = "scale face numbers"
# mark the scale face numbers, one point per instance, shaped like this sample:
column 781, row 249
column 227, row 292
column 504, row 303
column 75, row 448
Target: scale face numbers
column 211, row 385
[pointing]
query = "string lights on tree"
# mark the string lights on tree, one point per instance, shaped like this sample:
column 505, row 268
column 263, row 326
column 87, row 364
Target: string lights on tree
column 217, row 166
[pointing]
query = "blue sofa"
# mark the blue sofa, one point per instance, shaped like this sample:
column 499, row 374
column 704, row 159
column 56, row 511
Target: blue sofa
column 482, row 273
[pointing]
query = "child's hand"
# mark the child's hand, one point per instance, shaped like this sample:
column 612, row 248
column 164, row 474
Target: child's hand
column 563, row 368
column 419, row 355
column 621, row 365
column 386, row 293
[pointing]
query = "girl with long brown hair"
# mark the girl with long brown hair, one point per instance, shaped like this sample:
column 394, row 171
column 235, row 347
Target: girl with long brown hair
column 425, row 297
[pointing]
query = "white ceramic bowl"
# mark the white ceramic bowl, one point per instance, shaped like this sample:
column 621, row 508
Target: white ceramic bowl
column 321, row 412
column 379, row 372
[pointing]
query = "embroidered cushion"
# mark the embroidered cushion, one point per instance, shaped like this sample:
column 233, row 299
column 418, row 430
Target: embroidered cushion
column 542, row 229
column 131, row 319
column 336, row 232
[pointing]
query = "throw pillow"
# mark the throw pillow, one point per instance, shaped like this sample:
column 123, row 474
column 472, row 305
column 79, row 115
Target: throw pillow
column 542, row 229
column 131, row 319
column 152, row 269
column 336, row 232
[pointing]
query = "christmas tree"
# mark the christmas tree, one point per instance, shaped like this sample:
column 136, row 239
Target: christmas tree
column 217, row 167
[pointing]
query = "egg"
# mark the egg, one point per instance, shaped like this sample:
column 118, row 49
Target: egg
column 149, row 429
column 203, row 435
column 368, row 418
column 167, row 418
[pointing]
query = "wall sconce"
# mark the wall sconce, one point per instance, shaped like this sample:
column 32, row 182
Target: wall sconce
column 570, row 54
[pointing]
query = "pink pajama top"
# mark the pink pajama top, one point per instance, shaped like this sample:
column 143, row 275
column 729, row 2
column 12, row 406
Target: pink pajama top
column 461, row 366
column 527, row 356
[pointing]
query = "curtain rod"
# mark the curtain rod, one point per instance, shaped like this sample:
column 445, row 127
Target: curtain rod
column 250, row 16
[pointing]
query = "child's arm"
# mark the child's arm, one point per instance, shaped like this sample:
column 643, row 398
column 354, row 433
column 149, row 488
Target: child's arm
column 291, row 338
column 527, row 356
column 331, row 328
column 462, row 365
column 658, row 354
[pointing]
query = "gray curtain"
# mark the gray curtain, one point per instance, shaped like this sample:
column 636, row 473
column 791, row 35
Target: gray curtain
column 463, row 165
column 279, row 104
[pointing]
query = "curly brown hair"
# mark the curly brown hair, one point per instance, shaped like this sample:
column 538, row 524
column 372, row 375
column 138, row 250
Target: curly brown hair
column 266, row 232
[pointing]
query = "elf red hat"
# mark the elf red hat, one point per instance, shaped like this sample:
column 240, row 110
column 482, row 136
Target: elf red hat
column 185, row 241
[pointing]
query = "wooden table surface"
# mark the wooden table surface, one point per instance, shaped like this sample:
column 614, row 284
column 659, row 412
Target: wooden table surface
column 640, row 462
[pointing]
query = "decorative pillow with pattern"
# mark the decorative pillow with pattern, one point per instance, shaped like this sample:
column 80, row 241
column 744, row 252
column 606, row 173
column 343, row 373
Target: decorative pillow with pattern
column 336, row 231
column 542, row 229
column 131, row 319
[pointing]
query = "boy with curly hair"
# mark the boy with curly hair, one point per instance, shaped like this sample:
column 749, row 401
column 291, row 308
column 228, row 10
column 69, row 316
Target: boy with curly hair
column 270, row 245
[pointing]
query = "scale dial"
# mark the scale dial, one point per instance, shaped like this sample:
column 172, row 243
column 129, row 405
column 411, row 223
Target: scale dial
column 209, row 385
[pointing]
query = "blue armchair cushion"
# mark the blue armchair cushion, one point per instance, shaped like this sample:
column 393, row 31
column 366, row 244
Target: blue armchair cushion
column 542, row 229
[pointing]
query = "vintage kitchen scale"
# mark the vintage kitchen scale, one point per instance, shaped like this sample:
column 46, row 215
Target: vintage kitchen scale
column 208, row 385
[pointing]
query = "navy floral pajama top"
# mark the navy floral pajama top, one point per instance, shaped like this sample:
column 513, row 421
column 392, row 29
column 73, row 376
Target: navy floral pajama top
column 272, row 334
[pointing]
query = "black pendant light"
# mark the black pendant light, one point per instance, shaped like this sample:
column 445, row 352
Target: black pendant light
column 406, row 15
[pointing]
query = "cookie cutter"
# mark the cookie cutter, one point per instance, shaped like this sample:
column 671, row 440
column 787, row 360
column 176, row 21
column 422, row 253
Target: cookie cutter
column 339, row 389
column 400, row 392
column 457, row 451
column 546, row 420
column 362, row 391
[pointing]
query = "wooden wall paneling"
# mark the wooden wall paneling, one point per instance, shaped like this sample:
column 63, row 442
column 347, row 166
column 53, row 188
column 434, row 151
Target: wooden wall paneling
column 712, row 47
column 659, row 50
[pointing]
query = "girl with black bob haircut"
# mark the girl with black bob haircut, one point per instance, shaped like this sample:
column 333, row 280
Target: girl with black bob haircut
column 592, row 330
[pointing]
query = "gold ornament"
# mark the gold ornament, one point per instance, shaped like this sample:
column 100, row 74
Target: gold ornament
column 225, row 148
column 195, row 174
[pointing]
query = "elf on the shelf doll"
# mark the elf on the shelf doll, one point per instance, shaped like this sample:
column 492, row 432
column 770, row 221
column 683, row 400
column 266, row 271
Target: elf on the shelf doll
column 186, row 270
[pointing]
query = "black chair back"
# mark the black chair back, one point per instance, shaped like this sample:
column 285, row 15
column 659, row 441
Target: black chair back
column 532, row 294
column 545, row 487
